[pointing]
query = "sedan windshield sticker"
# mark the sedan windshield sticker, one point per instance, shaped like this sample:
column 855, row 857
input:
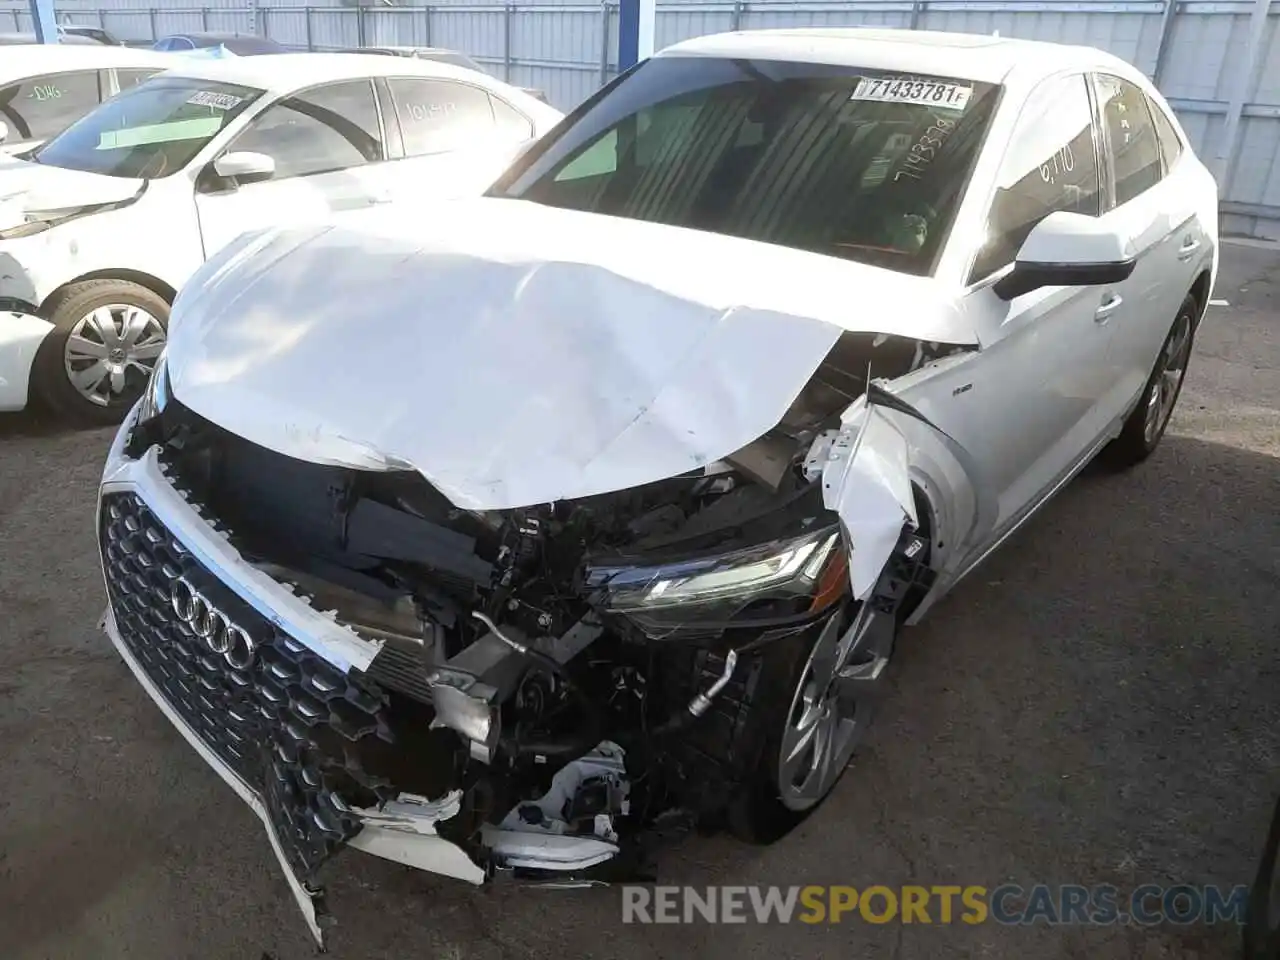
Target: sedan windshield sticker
column 197, row 128
column 219, row 101
column 926, row 93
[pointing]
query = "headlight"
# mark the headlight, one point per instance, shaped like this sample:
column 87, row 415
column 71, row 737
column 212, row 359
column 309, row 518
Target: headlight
column 792, row 568
column 156, row 397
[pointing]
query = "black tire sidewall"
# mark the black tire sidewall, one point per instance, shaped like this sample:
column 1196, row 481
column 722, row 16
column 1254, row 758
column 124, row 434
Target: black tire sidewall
column 64, row 309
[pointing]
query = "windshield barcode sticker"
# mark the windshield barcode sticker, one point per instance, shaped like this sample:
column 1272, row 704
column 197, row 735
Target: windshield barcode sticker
column 219, row 101
column 926, row 93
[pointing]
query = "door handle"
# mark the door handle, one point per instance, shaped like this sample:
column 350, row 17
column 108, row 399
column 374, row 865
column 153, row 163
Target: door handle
column 1189, row 246
column 1107, row 308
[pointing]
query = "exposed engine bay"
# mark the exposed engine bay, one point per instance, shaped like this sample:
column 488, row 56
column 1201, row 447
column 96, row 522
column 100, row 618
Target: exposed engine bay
column 586, row 673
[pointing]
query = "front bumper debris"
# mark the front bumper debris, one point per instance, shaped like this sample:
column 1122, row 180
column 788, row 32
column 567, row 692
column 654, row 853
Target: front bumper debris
column 283, row 725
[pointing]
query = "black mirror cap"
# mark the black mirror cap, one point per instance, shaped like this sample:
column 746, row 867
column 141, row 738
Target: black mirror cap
column 1025, row 276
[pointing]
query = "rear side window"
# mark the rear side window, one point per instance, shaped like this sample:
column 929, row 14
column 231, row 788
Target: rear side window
column 329, row 128
column 438, row 115
column 1170, row 145
column 510, row 121
column 40, row 107
column 1051, row 165
column 1131, row 137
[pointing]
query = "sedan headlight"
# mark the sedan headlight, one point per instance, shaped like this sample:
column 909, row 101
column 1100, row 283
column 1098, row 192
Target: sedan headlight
column 783, row 569
column 156, row 397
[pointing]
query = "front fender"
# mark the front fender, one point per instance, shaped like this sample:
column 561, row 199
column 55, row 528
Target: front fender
column 885, row 451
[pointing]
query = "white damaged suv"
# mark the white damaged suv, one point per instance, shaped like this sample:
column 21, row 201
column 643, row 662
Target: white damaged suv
column 500, row 539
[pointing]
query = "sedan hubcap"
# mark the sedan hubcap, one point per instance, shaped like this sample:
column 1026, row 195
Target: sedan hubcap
column 831, row 707
column 111, row 352
column 1171, row 367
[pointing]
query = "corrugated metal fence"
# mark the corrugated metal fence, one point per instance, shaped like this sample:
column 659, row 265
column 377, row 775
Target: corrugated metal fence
column 1199, row 53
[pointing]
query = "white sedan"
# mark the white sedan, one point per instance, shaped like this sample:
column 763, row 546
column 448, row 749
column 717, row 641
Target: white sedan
column 44, row 88
column 101, row 225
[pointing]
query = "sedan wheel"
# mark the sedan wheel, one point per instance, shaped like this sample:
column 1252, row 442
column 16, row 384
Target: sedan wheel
column 110, row 349
column 831, row 707
column 107, row 337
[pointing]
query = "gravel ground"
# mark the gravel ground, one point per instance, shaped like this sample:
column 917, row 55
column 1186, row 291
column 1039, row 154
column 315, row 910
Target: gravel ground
column 1097, row 704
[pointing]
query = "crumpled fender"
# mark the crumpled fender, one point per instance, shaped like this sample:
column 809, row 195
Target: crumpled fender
column 866, row 481
column 867, row 470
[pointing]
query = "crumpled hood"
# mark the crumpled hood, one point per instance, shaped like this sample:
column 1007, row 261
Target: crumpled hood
column 26, row 187
column 516, row 354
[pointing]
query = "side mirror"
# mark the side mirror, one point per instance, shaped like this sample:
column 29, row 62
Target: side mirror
column 1067, row 250
column 245, row 167
column 4, row 131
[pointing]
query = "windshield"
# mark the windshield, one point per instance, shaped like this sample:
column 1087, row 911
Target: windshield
column 152, row 130
column 863, row 165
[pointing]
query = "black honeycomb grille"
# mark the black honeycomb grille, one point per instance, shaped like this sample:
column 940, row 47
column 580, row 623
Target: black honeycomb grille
column 292, row 727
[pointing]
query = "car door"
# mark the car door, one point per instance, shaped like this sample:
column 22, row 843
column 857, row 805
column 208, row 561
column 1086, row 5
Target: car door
column 457, row 138
column 1028, row 408
column 38, row 107
column 329, row 151
column 1160, row 222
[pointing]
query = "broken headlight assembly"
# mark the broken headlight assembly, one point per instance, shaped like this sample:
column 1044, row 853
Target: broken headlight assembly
column 779, row 581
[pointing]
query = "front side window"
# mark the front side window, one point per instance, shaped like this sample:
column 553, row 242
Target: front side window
column 1051, row 164
column 438, row 115
column 152, row 130
column 861, row 165
column 1131, row 137
column 329, row 128
column 510, row 121
column 42, row 106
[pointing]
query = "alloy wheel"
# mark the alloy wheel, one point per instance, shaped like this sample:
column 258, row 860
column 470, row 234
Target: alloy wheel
column 106, row 345
column 1171, row 368
column 831, row 708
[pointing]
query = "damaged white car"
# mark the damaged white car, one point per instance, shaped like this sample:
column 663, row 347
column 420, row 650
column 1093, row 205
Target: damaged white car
column 499, row 547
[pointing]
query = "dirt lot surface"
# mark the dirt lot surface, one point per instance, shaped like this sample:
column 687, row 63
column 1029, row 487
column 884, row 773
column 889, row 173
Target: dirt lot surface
column 1097, row 704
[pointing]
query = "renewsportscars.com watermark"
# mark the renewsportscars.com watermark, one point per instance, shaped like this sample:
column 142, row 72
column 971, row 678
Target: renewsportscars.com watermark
column 1009, row 904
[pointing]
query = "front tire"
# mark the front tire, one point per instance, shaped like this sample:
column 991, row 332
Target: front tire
column 1147, row 422
column 94, row 364
column 818, row 699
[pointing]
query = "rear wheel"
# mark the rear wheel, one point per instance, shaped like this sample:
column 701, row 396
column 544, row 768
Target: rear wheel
column 1148, row 421
column 95, row 363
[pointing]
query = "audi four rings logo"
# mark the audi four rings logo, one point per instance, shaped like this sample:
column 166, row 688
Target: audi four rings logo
column 220, row 633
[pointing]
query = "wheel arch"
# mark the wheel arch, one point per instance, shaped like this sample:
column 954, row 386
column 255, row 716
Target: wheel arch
column 143, row 279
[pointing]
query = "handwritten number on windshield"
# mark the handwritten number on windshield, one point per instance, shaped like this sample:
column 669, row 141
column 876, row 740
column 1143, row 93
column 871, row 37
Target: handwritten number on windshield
column 923, row 150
